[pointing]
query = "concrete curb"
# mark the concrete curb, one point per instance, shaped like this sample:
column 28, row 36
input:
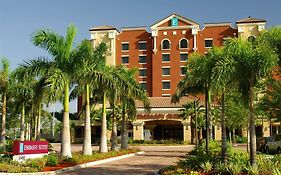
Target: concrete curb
column 76, row 167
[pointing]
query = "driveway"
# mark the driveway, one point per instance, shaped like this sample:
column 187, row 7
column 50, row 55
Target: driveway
column 155, row 157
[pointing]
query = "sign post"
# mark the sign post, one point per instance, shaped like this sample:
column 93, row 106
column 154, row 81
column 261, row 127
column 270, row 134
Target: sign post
column 23, row 150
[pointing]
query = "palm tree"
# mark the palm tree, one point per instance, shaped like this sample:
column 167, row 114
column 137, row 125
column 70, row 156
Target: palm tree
column 127, row 100
column 22, row 92
column 248, row 63
column 198, row 80
column 192, row 109
column 4, row 85
column 58, row 72
column 88, row 63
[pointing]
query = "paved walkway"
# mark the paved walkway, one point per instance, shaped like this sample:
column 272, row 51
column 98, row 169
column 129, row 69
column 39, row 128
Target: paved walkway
column 155, row 157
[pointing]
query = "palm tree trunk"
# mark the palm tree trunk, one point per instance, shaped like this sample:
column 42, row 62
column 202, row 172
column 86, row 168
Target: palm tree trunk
column 252, row 129
column 65, row 136
column 103, row 139
column 114, row 126
column 3, row 124
column 87, row 145
column 207, row 120
column 124, row 136
column 35, row 125
column 223, row 134
column 38, row 134
column 196, row 127
column 22, row 123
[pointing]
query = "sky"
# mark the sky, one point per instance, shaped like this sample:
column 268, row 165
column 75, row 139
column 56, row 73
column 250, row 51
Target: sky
column 20, row 18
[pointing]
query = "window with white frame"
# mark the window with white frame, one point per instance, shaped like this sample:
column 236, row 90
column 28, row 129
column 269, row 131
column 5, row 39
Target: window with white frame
column 143, row 85
column 142, row 72
column 183, row 57
column 125, row 59
column 165, row 57
column 208, row 42
column 166, row 71
column 183, row 43
column 166, row 95
column 183, row 70
column 142, row 45
column 142, row 59
column 125, row 46
column 166, row 85
column 166, row 44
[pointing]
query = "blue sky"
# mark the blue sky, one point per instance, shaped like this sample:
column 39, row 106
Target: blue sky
column 20, row 18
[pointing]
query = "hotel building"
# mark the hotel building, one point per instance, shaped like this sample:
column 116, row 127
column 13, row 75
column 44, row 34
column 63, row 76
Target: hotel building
column 160, row 54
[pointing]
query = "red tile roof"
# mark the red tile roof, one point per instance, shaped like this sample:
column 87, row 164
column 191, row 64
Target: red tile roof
column 165, row 102
column 250, row 20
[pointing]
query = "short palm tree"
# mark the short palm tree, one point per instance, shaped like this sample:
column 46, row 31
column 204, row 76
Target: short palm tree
column 249, row 63
column 192, row 110
column 58, row 72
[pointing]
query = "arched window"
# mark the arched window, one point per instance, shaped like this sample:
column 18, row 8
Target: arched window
column 183, row 43
column 251, row 39
column 166, row 44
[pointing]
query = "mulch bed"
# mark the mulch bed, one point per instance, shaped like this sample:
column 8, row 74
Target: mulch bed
column 59, row 166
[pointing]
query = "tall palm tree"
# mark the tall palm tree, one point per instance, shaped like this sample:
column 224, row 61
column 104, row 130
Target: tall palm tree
column 58, row 72
column 248, row 63
column 88, row 64
column 198, row 80
column 4, row 85
column 133, row 92
column 22, row 92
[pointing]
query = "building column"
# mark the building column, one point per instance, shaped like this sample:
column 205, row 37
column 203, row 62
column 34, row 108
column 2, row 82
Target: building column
column 186, row 131
column 194, row 32
column 218, row 133
column 266, row 129
column 138, row 130
column 151, row 129
column 244, row 132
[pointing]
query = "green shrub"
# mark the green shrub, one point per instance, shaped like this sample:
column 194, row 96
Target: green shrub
column 52, row 160
column 220, row 168
column 253, row 170
column 5, row 158
column 39, row 163
column 207, row 166
column 241, row 139
column 234, row 168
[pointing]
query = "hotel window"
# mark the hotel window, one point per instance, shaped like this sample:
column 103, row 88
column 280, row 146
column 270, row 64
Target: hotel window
column 142, row 72
column 166, row 85
column 142, row 59
column 125, row 59
column 225, row 40
column 251, row 39
column 166, row 95
column 142, row 45
column 166, row 57
column 143, row 85
column 208, row 43
column 125, row 46
column 166, row 44
column 166, row 71
column 183, row 43
column 183, row 57
column 183, row 70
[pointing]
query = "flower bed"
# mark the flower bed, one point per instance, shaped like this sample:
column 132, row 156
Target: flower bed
column 52, row 162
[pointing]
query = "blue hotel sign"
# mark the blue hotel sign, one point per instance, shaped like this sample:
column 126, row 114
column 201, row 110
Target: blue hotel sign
column 174, row 21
